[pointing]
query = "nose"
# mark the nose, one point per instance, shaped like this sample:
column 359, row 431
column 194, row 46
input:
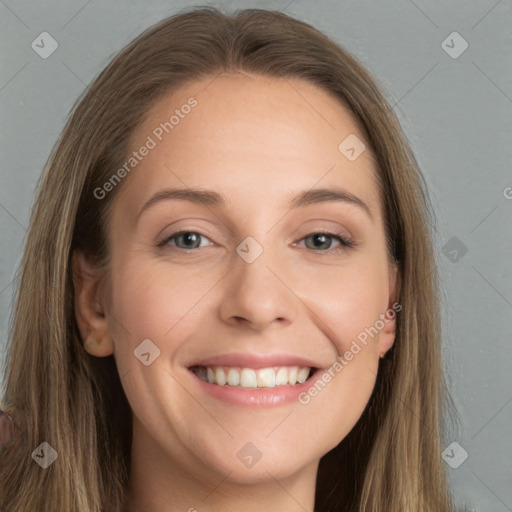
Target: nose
column 258, row 294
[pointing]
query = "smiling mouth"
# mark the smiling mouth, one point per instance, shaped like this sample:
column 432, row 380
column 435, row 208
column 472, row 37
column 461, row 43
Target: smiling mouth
column 254, row 378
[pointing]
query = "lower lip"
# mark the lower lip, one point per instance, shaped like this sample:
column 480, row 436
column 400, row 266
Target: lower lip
column 257, row 397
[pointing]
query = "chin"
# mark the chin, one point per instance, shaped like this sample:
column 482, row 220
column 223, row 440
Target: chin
column 270, row 466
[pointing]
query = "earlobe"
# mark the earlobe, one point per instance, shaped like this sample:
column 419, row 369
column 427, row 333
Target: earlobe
column 99, row 348
column 89, row 311
column 387, row 334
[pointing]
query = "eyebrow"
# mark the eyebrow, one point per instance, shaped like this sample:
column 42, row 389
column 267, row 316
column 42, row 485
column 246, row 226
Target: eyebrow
column 302, row 199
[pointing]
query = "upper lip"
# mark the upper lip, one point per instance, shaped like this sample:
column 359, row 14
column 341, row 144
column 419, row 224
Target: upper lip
column 253, row 360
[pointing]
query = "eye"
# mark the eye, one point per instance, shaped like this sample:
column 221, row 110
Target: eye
column 321, row 240
column 190, row 239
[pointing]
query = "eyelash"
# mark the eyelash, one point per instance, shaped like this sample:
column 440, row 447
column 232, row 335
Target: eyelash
column 346, row 243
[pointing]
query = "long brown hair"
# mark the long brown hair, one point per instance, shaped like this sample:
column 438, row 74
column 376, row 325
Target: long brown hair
column 56, row 392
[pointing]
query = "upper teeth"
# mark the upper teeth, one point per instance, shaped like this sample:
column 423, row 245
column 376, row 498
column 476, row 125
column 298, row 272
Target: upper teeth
column 249, row 378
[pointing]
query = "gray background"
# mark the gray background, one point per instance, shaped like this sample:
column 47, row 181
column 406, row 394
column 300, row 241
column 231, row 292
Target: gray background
column 457, row 114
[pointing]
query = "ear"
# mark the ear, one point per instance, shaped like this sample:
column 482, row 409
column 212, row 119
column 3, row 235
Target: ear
column 89, row 307
column 387, row 335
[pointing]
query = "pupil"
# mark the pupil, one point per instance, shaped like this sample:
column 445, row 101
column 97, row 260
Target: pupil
column 189, row 237
column 320, row 237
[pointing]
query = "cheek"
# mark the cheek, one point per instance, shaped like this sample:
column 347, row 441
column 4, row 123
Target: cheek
column 349, row 304
column 145, row 304
column 152, row 301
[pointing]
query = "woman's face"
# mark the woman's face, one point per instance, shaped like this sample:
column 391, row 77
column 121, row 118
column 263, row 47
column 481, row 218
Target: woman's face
column 251, row 277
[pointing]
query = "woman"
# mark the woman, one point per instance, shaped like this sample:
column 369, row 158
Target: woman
column 255, row 370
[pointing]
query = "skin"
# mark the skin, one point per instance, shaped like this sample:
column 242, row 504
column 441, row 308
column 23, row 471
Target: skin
column 257, row 141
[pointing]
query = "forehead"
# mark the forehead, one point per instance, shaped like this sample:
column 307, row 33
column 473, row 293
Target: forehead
column 252, row 138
